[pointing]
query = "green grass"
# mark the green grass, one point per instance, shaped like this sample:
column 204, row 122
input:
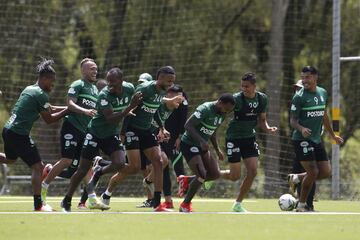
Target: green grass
column 180, row 226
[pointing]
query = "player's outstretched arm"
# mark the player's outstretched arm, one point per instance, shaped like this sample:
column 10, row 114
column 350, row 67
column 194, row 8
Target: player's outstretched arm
column 73, row 107
column 53, row 117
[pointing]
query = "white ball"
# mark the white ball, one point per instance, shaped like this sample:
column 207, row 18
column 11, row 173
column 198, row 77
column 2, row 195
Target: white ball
column 287, row 202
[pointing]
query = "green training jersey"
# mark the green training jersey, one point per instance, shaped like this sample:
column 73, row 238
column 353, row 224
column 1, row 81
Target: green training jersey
column 150, row 103
column 31, row 102
column 163, row 113
column 309, row 108
column 246, row 113
column 209, row 120
column 98, row 124
column 86, row 96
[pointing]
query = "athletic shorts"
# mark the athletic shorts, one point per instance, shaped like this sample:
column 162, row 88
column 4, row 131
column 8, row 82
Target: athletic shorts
column 307, row 150
column 16, row 145
column 139, row 139
column 93, row 144
column 241, row 148
column 71, row 140
column 190, row 151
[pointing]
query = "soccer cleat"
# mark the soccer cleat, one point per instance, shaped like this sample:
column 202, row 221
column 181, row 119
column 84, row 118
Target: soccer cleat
column 183, row 182
column 150, row 186
column 46, row 171
column 105, row 199
column 208, row 185
column 44, row 208
column 185, row 207
column 95, row 203
column 146, row 204
column 82, row 206
column 65, row 206
column 94, row 179
column 168, row 205
column 43, row 194
column 302, row 207
column 161, row 208
column 292, row 184
column 238, row 208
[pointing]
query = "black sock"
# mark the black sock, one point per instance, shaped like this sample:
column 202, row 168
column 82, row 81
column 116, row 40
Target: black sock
column 194, row 186
column 166, row 181
column 84, row 196
column 37, row 201
column 67, row 200
column 104, row 196
column 157, row 199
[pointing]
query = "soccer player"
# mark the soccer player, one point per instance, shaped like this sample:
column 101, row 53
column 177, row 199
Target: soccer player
column 33, row 101
column 139, row 136
column 175, row 125
column 307, row 116
column 297, row 168
column 114, row 102
column 81, row 101
column 250, row 111
column 199, row 128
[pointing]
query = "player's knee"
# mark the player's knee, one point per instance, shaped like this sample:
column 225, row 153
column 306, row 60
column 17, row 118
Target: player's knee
column 312, row 173
column 234, row 176
column 165, row 162
column 251, row 173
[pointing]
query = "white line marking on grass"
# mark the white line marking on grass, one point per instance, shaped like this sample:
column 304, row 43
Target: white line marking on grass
column 179, row 213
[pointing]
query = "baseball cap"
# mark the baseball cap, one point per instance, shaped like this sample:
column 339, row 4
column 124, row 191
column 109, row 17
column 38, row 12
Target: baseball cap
column 145, row 77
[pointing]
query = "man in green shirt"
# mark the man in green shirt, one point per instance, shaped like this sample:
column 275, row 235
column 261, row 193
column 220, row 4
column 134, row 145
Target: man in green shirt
column 33, row 101
column 199, row 128
column 114, row 103
column 308, row 116
column 250, row 111
column 81, row 101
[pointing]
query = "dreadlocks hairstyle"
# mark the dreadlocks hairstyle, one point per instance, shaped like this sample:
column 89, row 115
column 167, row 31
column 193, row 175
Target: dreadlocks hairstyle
column 44, row 68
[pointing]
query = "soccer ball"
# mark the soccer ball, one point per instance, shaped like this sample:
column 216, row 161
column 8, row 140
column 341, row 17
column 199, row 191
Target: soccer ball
column 287, row 202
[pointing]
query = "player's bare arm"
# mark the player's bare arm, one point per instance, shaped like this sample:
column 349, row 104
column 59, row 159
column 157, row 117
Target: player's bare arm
column 294, row 123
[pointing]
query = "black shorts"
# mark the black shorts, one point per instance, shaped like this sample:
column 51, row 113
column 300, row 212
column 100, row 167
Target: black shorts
column 171, row 152
column 307, row 150
column 139, row 139
column 16, row 145
column 92, row 144
column 241, row 148
column 71, row 140
column 190, row 151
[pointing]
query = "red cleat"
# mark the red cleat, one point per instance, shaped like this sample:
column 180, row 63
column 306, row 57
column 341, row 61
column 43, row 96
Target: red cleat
column 46, row 171
column 168, row 205
column 161, row 208
column 183, row 182
column 44, row 208
column 185, row 207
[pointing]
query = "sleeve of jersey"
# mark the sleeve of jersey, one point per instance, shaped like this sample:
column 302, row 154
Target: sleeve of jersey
column 103, row 102
column 74, row 89
column 264, row 104
column 295, row 105
column 42, row 102
column 200, row 113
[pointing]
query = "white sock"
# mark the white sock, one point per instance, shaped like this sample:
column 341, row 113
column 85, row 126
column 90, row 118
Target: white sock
column 45, row 185
column 296, row 178
column 92, row 195
column 108, row 193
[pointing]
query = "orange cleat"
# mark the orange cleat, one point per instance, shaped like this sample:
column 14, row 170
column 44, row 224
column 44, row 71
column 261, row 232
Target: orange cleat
column 168, row 205
column 161, row 208
column 186, row 207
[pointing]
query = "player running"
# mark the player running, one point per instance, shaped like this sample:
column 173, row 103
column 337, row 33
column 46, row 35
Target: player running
column 114, row 102
column 250, row 111
column 33, row 101
column 308, row 116
column 81, row 101
column 199, row 128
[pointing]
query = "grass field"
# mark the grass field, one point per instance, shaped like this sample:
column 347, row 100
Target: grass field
column 212, row 220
